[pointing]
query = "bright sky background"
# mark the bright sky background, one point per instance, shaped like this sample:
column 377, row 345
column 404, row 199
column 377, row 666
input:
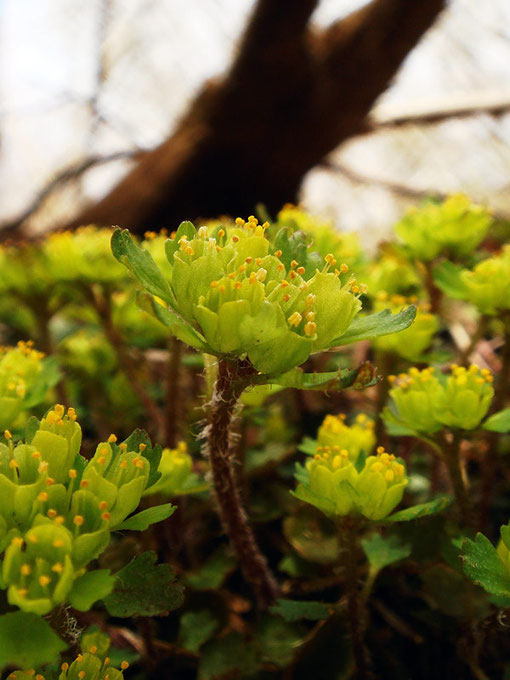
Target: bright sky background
column 156, row 54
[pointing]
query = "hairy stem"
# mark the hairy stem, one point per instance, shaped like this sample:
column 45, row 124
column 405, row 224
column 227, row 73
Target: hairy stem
column 356, row 612
column 231, row 380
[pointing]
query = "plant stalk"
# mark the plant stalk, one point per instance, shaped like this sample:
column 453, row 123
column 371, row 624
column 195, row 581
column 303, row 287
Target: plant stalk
column 356, row 612
column 502, row 387
column 453, row 464
column 173, row 394
column 102, row 305
column 231, row 380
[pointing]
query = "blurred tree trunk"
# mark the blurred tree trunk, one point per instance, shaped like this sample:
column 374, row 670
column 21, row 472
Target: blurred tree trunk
column 290, row 97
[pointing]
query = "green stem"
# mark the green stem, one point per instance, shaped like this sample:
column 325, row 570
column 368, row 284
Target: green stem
column 101, row 302
column 452, row 459
column 356, row 611
column 43, row 314
column 173, row 394
column 232, row 378
column 502, row 386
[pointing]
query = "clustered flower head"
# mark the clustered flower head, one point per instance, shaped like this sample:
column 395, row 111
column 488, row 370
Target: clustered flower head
column 456, row 226
column 413, row 341
column 391, row 274
column 324, row 237
column 487, row 286
column 234, row 291
column 81, row 255
column 335, row 436
column 19, row 369
column 331, row 482
column 427, row 400
column 57, row 510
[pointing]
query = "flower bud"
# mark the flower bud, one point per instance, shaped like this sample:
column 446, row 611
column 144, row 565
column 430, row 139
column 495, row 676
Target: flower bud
column 456, row 226
column 380, row 485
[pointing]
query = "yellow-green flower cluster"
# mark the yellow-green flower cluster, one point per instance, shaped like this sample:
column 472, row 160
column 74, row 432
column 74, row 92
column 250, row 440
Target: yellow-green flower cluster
column 24, row 270
column 391, row 273
column 57, row 510
column 413, row 341
column 456, row 227
column 238, row 299
column 81, row 255
column 20, row 367
column 487, row 286
column 426, row 401
column 325, row 238
column 331, row 482
column 334, row 436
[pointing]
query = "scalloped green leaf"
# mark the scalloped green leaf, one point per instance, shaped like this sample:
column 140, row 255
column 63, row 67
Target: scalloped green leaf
column 421, row 510
column 482, row 564
column 142, row 520
column 27, row 641
column 144, row 588
column 374, row 325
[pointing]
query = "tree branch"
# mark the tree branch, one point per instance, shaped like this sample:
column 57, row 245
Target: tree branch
column 69, row 174
column 288, row 100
